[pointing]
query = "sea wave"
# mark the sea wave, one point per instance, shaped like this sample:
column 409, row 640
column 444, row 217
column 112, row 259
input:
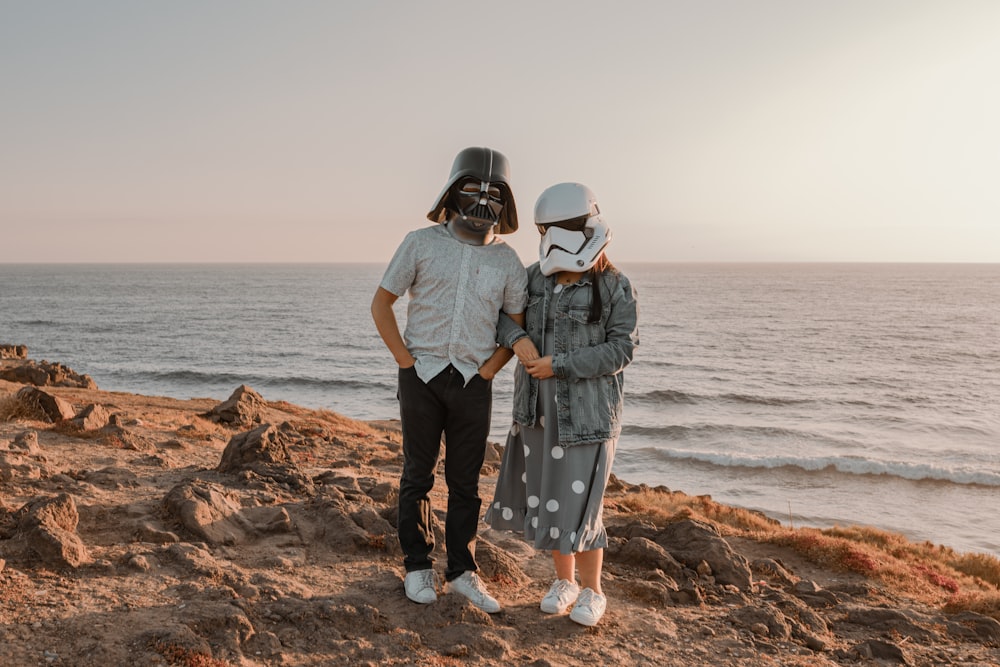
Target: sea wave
column 661, row 396
column 847, row 465
column 188, row 378
column 701, row 431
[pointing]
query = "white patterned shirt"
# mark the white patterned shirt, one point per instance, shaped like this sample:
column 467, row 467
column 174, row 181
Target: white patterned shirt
column 456, row 291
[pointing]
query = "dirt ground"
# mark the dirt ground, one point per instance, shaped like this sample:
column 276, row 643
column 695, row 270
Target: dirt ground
column 316, row 578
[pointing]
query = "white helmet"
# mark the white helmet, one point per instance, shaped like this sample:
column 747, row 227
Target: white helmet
column 574, row 233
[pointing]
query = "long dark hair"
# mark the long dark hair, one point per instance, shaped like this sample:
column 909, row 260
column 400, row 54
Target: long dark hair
column 602, row 266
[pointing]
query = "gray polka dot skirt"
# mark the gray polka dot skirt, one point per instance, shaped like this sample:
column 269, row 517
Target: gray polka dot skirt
column 553, row 495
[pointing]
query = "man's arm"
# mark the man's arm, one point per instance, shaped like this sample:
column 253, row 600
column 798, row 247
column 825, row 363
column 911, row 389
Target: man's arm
column 388, row 327
column 501, row 355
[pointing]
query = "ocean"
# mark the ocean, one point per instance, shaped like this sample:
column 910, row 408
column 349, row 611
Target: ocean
column 818, row 394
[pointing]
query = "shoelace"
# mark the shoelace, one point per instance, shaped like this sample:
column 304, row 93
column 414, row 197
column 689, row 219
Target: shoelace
column 562, row 587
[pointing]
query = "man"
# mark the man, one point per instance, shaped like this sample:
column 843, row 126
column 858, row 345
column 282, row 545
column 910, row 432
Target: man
column 460, row 275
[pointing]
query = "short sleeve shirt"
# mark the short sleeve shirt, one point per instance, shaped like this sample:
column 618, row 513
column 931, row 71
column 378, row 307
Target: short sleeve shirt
column 456, row 292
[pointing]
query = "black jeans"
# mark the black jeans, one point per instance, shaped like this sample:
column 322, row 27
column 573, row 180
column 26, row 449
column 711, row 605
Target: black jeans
column 462, row 414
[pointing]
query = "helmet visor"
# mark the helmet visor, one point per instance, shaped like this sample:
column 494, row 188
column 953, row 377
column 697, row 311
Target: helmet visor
column 564, row 239
column 573, row 224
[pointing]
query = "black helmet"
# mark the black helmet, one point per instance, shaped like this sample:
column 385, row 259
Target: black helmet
column 485, row 165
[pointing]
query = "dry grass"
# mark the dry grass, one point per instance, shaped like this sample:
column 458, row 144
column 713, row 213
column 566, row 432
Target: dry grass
column 13, row 408
column 664, row 507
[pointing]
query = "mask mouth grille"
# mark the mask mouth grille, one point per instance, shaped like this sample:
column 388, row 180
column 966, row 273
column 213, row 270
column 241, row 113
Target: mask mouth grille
column 479, row 200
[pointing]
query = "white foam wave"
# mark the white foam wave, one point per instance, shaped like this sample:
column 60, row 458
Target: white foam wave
column 849, row 465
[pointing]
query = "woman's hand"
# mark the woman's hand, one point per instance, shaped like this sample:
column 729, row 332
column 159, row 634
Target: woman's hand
column 525, row 350
column 540, row 369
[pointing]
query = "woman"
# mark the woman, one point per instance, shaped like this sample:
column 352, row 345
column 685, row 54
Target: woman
column 581, row 332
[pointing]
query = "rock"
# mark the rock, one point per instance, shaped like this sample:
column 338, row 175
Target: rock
column 92, row 418
column 54, row 408
column 46, row 374
column 49, row 529
column 243, row 409
column 771, row 619
column 27, row 441
column 13, row 351
column 215, row 515
column 646, row 553
column 498, row 566
column 880, row 650
column 114, row 434
column 813, row 594
column 971, row 624
column 692, row 542
column 264, row 444
column 17, row 466
column 147, row 532
column 208, row 511
column 264, row 452
column 650, row 592
column 891, row 620
column 774, row 570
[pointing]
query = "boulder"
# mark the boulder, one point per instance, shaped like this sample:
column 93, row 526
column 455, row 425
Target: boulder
column 208, row 511
column 49, row 529
column 264, row 444
column 646, row 553
column 92, row 417
column 215, row 515
column 244, row 408
column 54, row 408
column 263, row 452
column 692, row 542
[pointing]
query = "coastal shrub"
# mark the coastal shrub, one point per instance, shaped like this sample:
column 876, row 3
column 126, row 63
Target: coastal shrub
column 987, row 604
column 663, row 506
column 980, row 566
column 834, row 552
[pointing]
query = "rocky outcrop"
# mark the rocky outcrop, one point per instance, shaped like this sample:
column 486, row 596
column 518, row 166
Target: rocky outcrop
column 263, row 453
column 13, row 351
column 214, row 514
column 694, row 542
column 45, row 374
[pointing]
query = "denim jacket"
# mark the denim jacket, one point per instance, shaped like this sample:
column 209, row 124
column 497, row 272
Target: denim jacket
column 587, row 359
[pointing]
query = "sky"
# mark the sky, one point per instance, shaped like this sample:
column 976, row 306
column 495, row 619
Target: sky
column 308, row 131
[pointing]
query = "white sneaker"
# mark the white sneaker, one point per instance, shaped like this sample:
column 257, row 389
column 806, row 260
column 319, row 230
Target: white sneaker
column 421, row 585
column 589, row 607
column 471, row 586
column 561, row 595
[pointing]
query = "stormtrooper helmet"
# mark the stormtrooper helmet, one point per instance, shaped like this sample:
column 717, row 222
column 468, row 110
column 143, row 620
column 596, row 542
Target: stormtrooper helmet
column 478, row 193
column 573, row 231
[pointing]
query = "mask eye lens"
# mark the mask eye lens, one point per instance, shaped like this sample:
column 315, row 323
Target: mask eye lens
column 470, row 188
column 573, row 224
